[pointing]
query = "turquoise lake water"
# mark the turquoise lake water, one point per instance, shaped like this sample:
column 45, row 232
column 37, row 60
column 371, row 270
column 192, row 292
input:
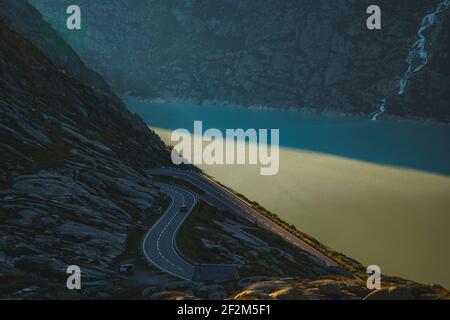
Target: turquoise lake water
column 376, row 191
column 396, row 143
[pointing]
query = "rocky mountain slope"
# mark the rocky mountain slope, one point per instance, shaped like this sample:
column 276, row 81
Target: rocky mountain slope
column 72, row 192
column 70, row 184
column 309, row 53
column 26, row 19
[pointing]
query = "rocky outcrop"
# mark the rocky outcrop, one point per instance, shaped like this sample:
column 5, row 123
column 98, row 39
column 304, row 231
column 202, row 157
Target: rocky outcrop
column 301, row 54
column 336, row 289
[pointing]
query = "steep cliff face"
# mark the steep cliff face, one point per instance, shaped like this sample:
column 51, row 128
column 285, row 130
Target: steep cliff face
column 428, row 91
column 309, row 53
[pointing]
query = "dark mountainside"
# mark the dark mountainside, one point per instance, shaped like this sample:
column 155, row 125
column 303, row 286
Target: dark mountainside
column 309, row 53
column 72, row 192
column 25, row 18
column 71, row 185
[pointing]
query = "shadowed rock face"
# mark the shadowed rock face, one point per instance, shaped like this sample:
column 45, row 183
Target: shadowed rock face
column 26, row 19
column 429, row 90
column 308, row 53
column 71, row 189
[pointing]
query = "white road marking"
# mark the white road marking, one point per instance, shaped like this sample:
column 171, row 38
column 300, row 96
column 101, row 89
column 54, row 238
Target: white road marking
column 160, row 235
column 203, row 180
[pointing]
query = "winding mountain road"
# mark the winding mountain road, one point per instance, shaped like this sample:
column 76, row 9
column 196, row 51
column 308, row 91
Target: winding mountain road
column 159, row 245
column 222, row 197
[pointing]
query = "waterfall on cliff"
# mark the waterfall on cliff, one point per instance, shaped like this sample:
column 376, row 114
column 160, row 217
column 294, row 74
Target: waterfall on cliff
column 418, row 55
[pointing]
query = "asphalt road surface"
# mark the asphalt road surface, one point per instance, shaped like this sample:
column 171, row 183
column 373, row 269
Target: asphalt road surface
column 159, row 243
column 223, row 197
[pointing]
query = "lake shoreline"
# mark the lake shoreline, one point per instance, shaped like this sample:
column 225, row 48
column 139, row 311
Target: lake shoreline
column 377, row 191
column 391, row 216
column 329, row 113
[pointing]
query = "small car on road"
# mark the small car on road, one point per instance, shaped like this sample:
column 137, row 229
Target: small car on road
column 126, row 268
column 184, row 208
